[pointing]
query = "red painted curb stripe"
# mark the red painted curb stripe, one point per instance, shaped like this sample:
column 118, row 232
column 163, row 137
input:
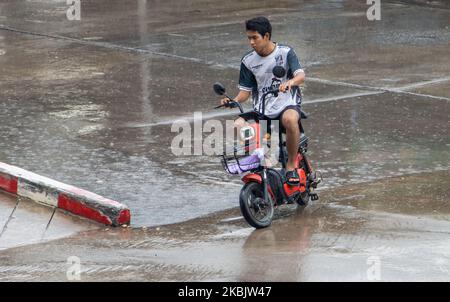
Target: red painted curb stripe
column 81, row 192
column 69, row 198
column 124, row 217
column 8, row 183
column 76, row 207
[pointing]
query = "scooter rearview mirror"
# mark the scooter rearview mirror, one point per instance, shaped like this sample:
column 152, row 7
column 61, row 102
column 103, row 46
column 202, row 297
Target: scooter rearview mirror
column 219, row 88
column 279, row 71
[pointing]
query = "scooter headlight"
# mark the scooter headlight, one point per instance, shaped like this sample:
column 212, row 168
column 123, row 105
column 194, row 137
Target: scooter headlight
column 247, row 133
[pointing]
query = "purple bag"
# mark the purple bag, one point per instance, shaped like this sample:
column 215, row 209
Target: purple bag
column 238, row 166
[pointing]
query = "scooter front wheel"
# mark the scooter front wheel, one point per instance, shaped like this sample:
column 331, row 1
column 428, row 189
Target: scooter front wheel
column 256, row 211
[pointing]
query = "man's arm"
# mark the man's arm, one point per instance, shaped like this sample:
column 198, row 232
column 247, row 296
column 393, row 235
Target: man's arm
column 247, row 82
column 296, row 69
column 242, row 96
column 295, row 81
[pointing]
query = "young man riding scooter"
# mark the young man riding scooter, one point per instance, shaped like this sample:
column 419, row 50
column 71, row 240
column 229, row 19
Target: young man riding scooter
column 256, row 77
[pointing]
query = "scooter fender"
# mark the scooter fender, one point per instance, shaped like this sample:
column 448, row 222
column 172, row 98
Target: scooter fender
column 252, row 177
column 257, row 178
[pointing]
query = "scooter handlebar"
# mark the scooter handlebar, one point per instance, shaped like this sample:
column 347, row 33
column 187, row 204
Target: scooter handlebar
column 231, row 104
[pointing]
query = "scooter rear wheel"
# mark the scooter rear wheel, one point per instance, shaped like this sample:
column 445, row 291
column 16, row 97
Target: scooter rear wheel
column 256, row 211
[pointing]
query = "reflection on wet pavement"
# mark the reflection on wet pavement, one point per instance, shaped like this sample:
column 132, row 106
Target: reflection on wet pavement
column 23, row 222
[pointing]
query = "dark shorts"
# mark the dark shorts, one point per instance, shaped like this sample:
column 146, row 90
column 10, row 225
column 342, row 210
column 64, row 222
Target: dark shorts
column 252, row 115
column 295, row 107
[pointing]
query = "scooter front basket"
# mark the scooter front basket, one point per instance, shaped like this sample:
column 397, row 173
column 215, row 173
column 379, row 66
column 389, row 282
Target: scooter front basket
column 238, row 164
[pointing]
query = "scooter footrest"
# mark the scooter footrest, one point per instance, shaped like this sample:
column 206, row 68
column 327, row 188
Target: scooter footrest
column 314, row 196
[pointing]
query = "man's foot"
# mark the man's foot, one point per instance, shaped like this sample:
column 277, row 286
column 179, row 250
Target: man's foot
column 292, row 178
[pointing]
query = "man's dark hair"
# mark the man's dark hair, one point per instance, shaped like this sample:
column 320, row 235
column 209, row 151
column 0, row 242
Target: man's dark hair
column 259, row 24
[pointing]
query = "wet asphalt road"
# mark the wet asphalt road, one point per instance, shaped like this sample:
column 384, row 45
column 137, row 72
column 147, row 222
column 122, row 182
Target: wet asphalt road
column 391, row 230
column 91, row 103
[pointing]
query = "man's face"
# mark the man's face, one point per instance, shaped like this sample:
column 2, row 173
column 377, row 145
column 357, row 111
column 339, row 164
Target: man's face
column 258, row 42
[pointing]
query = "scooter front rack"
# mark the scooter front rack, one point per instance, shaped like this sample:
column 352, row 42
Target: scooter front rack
column 240, row 160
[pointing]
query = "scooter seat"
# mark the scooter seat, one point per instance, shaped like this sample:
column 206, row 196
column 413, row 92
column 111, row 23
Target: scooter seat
column 303, row 114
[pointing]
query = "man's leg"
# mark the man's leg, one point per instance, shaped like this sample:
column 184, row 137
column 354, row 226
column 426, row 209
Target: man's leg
column 290, row 120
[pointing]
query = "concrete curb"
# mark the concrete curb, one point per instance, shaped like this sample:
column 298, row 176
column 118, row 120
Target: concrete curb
column 56, row 194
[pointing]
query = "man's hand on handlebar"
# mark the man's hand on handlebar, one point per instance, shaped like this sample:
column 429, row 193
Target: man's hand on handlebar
column 236, row 103
column 286, row 86
column 228, row 103
column 225, row 102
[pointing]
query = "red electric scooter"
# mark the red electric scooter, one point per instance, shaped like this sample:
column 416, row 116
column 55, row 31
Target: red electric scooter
column 265, row 187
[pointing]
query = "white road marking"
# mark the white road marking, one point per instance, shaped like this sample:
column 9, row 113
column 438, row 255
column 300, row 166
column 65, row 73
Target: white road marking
column 421, row 84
